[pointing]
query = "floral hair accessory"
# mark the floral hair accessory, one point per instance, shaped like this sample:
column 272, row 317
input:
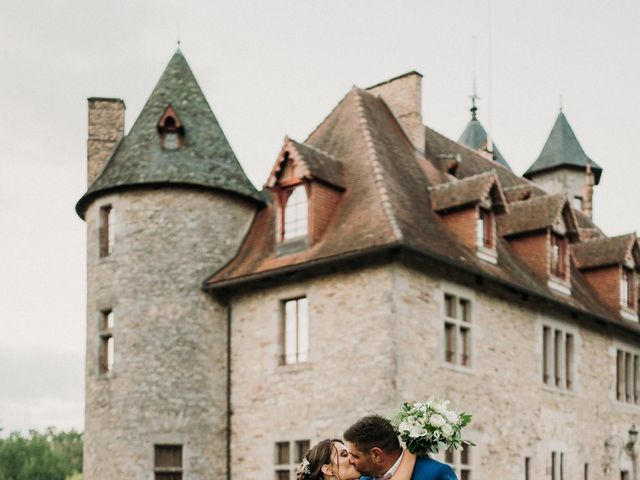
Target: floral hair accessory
column 306, row 466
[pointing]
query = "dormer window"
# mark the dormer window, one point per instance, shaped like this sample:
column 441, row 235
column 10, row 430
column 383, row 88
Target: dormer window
column 295, row 215
column 627, row 288
column 170, row 129
column 558, row 260
column 484, row 229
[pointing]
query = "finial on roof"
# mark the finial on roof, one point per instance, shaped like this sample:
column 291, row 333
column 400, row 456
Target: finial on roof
column 560, row 103
column 474, row 96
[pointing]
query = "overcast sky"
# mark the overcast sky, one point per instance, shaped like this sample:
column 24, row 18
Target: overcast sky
column 270, row 69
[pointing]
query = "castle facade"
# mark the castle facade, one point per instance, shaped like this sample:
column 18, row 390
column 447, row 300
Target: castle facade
column 230, row 328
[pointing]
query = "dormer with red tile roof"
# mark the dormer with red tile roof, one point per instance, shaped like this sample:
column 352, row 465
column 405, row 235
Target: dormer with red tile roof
column 611, row 266
column 539, row 230
column 307, row 185
column 468, row 207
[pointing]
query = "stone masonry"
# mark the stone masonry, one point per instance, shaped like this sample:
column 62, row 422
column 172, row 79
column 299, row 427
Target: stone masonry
column 168, row 382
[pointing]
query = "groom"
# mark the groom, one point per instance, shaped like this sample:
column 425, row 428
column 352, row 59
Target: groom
column 375, row 451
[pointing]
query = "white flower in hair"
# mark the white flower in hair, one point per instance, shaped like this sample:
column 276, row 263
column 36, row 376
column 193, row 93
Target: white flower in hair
column 306, row 466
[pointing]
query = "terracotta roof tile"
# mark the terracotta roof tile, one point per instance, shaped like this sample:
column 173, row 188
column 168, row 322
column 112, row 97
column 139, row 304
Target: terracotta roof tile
column 462, row 192
column 532, row 214
column 600, row 252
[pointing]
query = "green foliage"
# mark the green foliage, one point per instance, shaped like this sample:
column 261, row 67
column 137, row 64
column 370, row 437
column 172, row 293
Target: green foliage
column 51, row 455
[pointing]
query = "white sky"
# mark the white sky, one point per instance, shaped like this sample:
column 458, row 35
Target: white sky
column 269, row 69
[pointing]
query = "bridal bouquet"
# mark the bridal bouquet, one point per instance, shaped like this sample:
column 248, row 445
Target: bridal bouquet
column 430, row 427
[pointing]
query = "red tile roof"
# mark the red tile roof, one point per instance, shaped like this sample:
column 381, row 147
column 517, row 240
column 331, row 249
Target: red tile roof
column 388, row 204
column 601, row 252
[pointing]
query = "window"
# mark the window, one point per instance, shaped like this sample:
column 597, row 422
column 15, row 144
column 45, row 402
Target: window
column 295, row 331
column 460, row 461
column 484, row 229
column 107, row 230
column 628, row 376
column 295, row 213
column 287, row 457
column 170, row 129
column 168, row 462
column 558, row 256
column 457, row 330
column 105, row 333
column 557, row 465
column 558, row 353
column 527, row 468
column 627, row 288
column 577, row 203
column 586, row 471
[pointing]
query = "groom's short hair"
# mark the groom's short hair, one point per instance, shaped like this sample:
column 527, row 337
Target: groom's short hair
column 373, row 431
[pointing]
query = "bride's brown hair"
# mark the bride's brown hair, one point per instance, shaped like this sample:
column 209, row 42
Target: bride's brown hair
column 319, row 455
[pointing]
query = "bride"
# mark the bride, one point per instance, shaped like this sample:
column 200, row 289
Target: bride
column 329, row 459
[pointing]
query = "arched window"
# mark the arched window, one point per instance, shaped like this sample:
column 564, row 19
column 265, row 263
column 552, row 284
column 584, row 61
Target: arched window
column 295, row 214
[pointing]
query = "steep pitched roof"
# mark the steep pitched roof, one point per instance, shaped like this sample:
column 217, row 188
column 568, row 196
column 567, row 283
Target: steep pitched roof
column 205, row 158
column 601, row 252
column 314, row 163
column 562, row 149
column 536, row 214
column 387, row 208
column 475, row 136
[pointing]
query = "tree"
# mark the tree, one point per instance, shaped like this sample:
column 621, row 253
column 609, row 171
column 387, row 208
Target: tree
column 51, row 455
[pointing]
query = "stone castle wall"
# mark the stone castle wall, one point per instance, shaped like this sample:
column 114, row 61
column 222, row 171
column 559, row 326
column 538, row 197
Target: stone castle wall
column 377, row 340
column 168, row 382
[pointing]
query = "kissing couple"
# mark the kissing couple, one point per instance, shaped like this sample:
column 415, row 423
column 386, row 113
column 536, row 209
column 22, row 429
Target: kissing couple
column 370, row 451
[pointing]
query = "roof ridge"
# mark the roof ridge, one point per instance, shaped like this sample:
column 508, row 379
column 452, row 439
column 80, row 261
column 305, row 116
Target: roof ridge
column 377, row 167
column 604, row 239
column 458, row 181
column 540, row 198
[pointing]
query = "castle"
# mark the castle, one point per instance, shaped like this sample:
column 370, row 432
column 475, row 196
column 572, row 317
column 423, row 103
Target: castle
column 229, row 328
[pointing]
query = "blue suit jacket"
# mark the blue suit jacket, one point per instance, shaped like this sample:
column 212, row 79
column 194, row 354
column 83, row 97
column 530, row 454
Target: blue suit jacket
column 429, row 469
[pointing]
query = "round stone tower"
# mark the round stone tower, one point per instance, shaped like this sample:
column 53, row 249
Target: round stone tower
column 166, row 206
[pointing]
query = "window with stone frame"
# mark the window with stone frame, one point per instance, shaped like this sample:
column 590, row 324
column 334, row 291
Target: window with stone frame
column 295, row 331
column 627, row 288
column 106, row 234
column 457, row 330
column 628, row 376
column 288, row 455
column 484, row 229
column 106, row 344
column 294, row 213
column 557, row 465
column 460, row 462
column 558, row 256
column 167, row 464
column 558, row 358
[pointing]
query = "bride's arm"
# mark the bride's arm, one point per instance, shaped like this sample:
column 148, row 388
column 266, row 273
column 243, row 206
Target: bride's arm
column 405, row 470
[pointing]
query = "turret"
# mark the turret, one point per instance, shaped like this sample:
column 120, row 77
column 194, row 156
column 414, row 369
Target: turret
column 562, row 165
column 167, row 205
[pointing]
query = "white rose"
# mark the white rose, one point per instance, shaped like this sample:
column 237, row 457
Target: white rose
column 452, row 417
column 417, row 431
column 437, row 420
column 405, row 426
column 447, row 431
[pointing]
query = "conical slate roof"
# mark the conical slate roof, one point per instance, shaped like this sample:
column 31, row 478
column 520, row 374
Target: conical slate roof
column 204, row 159
column 562, row 149
column 475, row 137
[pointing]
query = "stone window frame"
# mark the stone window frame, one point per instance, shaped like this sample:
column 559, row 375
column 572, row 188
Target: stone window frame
column 169, row 472
column 557, row 468
column 629, row 384
column 296, row 449
column 106, row 230
column 283, row 359
column 469, row 296
column 560, row 344
column 106, row 346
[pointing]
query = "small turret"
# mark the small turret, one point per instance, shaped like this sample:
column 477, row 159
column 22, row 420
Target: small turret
column 474, row 136
column 561, row 166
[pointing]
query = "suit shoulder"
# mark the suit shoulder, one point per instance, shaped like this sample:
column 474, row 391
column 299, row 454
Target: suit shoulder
column 430, row 469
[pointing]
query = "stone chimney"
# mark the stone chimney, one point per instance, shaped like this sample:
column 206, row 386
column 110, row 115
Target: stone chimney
column 587, row 199
column 403, row 95
column 106, row 128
